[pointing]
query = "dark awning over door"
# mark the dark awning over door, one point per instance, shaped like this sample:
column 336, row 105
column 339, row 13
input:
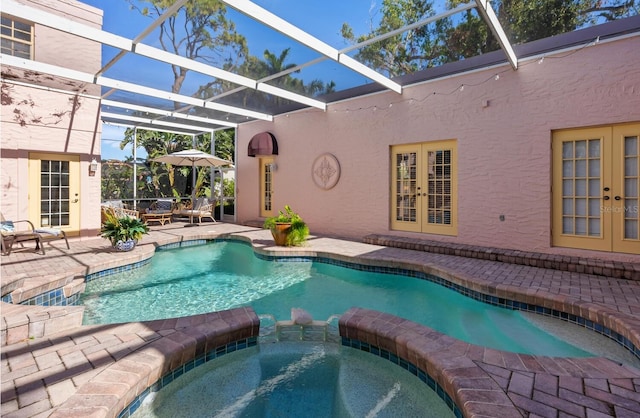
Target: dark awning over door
column 263, row 143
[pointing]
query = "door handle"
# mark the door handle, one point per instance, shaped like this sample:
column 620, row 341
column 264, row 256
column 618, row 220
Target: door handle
column 606, row 198
column 617, row 198
column 74, row 201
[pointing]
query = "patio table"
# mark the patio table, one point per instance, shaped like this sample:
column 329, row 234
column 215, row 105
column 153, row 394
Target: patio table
column 161, row 218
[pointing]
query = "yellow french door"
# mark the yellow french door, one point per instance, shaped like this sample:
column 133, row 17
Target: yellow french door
column 266, row 186
column 54, row 191
column 424, row 188
column 596, row 188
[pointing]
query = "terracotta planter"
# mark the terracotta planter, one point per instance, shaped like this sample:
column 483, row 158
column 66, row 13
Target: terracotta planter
column 280, row 233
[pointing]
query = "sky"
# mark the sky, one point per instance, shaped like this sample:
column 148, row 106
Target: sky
column 319, row 18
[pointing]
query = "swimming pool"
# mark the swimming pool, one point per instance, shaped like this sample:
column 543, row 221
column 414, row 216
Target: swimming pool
column 296, row 380
column 224, row 274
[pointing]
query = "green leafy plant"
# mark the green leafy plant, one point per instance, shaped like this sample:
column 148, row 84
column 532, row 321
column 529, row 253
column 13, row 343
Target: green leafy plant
column 297, row 230
column 122, row 229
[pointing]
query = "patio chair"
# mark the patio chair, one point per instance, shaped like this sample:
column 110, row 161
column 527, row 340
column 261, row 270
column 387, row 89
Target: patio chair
column 120, row 209
column 162, row 205
column 11, row 234
column 160, row 211
column 202, row 208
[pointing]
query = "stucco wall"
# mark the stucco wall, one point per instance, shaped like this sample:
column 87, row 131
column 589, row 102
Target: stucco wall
column 503, row 127
column 48, row 120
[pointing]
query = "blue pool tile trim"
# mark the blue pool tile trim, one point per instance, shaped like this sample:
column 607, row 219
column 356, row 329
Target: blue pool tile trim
column 116, row 270
column 186, row 367
column 407, row 365
column 56, row 297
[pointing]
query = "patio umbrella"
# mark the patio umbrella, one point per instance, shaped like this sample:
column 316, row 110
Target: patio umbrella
column 192, row 157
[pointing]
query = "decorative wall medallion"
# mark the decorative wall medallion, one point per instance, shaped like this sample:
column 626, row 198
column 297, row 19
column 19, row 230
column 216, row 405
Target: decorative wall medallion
column 326, row 171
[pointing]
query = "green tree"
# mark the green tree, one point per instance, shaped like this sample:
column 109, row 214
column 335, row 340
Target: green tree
column 162, row 179
column 199, row 31
column 467, row 35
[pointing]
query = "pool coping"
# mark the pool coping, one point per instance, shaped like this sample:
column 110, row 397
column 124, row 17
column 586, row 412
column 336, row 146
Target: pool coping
column 583, row 370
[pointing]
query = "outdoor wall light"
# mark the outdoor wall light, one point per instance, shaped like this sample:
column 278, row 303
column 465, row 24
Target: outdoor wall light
column 273, row 166
column 93, row 167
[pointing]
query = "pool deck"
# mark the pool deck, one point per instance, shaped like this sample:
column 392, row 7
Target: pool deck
column 49, row 361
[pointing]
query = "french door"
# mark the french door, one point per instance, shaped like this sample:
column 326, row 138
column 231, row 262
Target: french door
column 54, row 191
column 596, row 188
column 424, row 188
column 266, row 187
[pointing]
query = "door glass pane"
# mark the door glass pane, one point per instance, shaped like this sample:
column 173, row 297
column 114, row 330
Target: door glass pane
column 581, row 187
column 594, row 148
column 581, row 149
column 631, row 229
column 594, row 227
column 594, row 187
column 594, row 168
column 594, row 207
column 631, row 187
column 567, row 206
column 406, row 183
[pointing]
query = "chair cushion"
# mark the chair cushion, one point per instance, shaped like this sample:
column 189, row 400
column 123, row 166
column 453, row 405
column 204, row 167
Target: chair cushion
column 164, row 205
column 114, row 204
column 51, row 231
column 7, row 226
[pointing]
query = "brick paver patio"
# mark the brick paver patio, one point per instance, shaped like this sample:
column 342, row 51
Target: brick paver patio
column 51, row 365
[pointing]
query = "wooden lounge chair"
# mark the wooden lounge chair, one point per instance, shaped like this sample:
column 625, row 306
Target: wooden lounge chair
column 23, row 230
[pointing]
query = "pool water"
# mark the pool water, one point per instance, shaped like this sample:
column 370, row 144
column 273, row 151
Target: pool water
column 223, row 275
column 311, row 380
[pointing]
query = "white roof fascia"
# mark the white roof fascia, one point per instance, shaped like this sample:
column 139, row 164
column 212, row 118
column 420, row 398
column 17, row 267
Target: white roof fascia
column 169, row 113
column 489, row 16
column 152, row 122
column 46, row 68
column 149, row 128
column 122, row 85
column 264, row 16
column 181, row 98
column 267, row 88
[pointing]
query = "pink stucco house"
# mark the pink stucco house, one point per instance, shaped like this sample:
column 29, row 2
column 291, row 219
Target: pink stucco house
column 51, row 127
column 542, row 159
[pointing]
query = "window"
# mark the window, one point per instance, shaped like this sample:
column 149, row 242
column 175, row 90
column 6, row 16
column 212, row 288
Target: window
column 17, row 38
column 424, row 188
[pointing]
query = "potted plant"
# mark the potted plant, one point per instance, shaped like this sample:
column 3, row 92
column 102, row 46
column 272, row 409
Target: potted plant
column 123, row 232
column 287, row 228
